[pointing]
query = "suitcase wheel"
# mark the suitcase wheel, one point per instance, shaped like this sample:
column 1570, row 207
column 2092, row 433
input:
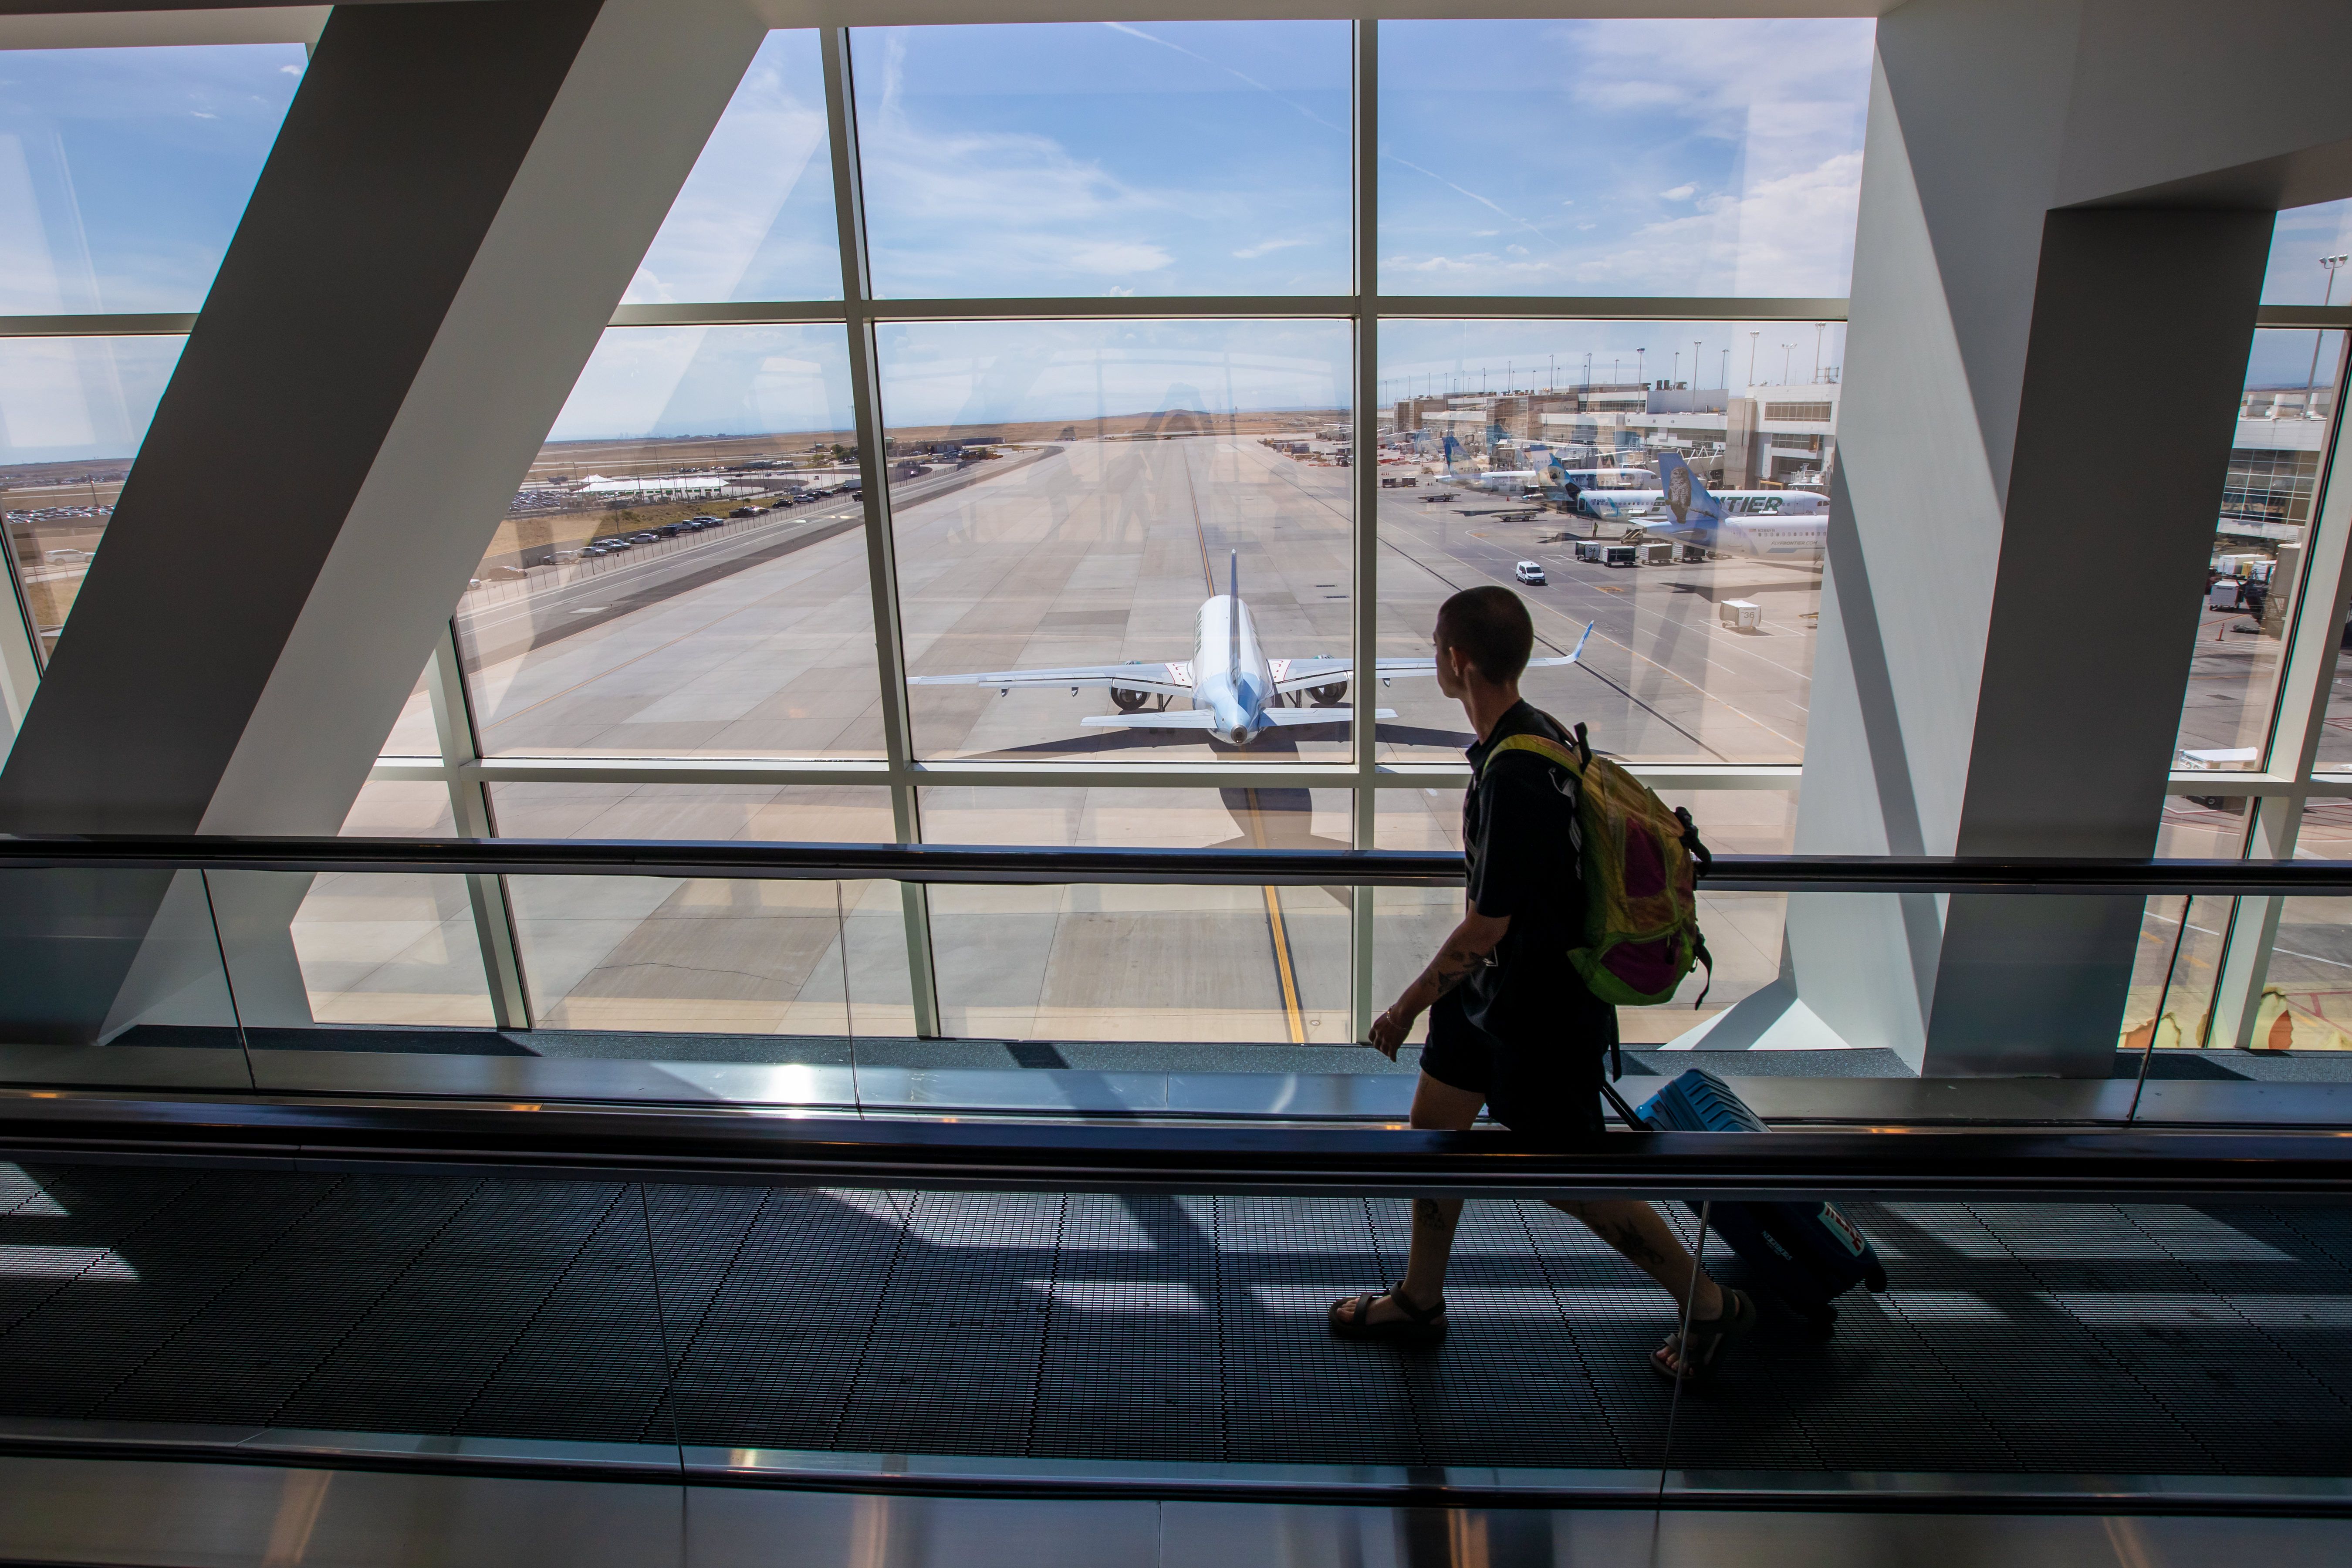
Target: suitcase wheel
column 1819, row 1322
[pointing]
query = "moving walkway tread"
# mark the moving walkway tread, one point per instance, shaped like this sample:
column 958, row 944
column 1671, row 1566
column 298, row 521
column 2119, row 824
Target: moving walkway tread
column 2018, row 1338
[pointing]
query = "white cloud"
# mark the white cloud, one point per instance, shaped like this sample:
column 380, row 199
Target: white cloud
column 1679, row 194
column 1267, row 247
column 723, row 225
column 290, row 70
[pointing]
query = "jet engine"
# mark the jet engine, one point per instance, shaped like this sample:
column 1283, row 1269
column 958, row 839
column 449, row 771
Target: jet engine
column 1329, row 696
column 1128, row 701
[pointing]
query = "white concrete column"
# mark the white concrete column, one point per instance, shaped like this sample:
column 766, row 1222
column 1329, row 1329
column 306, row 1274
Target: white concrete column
column 2064, row 218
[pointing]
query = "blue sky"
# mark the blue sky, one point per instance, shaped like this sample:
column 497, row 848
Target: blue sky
column 123, row 172
column 67, row 399
column 1615, row 157
column 1620, row 157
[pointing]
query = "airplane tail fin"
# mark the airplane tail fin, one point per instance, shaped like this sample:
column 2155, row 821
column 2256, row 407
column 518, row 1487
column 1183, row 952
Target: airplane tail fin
column 1677, row 480
column 1233, row 575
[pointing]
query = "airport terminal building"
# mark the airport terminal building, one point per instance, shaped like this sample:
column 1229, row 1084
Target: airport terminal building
column 735, row 808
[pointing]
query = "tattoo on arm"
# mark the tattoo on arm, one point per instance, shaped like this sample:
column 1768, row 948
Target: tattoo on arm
column 1454, row 962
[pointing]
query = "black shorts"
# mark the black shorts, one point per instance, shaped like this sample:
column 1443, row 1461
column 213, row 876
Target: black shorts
column 1550, row 1090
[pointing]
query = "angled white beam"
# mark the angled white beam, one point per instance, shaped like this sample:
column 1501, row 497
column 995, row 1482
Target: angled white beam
column 457, row 197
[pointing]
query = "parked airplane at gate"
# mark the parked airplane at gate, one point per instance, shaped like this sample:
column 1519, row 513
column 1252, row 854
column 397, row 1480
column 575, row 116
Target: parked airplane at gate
column 1762, row 526
column 1236, row 690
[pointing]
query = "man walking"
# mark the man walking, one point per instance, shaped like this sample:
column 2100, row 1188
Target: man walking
column 1511, row 1024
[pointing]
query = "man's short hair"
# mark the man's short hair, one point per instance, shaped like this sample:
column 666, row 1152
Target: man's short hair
column 1491, row 626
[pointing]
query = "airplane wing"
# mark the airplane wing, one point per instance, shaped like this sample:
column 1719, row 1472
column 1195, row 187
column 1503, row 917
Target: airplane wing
column 1300, row 674
column 1163, row 679
column 1282, row 718
column 1202, row 719
column 1174, row 718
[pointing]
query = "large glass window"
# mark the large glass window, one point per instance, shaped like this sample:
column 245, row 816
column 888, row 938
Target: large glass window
column 2260, row 547
column 683, row 572
column 1712, row 157
column 1635, row 478
column 1122, row 540
column 123, row 172
column 1106, row 158
column 2308, row 248
column 73, row 412
column 755, row 219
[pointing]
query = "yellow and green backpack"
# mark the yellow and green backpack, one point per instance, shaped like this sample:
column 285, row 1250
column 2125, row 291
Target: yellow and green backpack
column 1641, row 863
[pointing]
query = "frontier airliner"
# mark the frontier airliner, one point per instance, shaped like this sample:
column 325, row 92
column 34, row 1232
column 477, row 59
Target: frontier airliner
column 1236, row 690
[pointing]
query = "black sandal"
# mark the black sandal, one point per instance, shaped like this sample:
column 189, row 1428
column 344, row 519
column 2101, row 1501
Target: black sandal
column 1353, row 1319
column 1706, row 1341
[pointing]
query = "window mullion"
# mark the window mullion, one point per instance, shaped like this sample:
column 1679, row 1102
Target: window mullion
column 1364, row 473
column 2315, row 639
column 882, row 575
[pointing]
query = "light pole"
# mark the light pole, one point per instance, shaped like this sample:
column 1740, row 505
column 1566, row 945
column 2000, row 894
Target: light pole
column 1786, row 349
column 1695, row 343
column 1726, row 372
column 1642, row 366
column 2317, row 338
column 1751, row 357
column 1819, row 327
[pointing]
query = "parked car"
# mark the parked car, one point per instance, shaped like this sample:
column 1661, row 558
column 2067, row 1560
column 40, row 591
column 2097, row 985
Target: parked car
column 1530, row 571
column 745, row 511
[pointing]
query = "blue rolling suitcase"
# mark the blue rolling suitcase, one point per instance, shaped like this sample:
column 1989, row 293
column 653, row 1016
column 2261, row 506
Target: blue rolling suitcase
column 1807, row 1254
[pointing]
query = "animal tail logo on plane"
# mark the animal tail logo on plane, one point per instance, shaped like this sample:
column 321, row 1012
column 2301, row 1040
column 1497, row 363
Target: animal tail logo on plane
column 1685, row 496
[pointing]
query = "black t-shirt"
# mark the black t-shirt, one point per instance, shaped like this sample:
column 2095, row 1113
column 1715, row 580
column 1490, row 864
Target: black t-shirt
column 1520, row 837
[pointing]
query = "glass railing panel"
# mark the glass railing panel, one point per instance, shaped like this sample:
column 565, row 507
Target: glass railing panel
column 116, row 977
column 2178, row 961
column 1215, row 973
column 664, row 968
column 2261, row 544
column 1664, row 484
column 355, row 961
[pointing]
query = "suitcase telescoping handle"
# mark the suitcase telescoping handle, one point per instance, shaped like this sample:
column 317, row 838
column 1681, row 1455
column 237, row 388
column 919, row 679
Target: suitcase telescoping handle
column 1625, row 1113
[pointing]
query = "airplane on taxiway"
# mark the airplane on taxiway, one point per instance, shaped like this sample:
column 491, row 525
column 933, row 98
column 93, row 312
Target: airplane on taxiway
column 1236, row 691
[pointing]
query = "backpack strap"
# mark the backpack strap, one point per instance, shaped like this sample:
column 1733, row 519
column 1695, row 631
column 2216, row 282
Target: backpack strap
column 1543, row 746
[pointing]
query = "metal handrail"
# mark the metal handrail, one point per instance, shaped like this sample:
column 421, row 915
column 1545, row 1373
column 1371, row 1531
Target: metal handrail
column 744, row 1145
column 1045, row 864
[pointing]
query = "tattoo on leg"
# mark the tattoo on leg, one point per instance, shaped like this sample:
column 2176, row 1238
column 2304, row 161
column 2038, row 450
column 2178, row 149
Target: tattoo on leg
column 1429, row 1212
column 1629, row 1240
